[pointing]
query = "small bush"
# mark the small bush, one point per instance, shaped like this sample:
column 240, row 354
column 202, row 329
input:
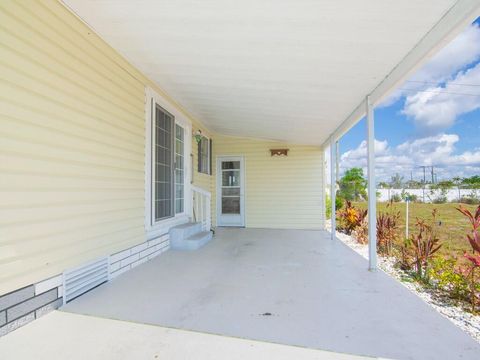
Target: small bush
column 425, row 244
column 361, row 232
column 396, row 198
column 469, row 200
column 403, row 255
column 350, row 218
column 409, row 197
column 441, row 199
column 387, row 230
column 339, row 202
column 445, row 276
column 328, row 203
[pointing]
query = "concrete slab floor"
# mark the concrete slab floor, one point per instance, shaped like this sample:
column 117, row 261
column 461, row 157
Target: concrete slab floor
column 283, row 286
column 61, row 335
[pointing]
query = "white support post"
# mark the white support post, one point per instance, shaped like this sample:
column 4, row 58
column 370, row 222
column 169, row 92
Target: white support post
column 337, row 161
column 324, row 189
column 333, row 183
column 372, row 190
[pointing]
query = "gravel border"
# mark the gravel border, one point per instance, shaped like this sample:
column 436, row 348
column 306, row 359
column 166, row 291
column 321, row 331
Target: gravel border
column 464, row 320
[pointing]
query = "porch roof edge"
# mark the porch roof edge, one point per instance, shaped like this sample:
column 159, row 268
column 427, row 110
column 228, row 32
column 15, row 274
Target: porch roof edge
column 453, row 21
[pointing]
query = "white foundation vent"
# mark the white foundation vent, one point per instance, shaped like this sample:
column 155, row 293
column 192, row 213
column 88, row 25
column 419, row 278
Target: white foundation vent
column 82, row 279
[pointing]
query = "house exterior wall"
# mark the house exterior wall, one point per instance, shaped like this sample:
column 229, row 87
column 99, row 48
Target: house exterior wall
column 282, row 192
column 72, row 152
column 72, row 145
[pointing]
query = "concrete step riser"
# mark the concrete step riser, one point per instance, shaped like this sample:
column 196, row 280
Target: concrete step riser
column 192, row 243
column 193, row 230
column 184, row 232
column 189, row 237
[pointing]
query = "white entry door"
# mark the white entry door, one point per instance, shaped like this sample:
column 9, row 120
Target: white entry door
column 230, row 191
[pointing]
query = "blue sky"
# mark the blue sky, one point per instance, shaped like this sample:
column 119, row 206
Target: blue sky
column 433, row 118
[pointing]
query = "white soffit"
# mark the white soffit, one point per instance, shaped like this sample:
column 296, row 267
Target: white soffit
column 288, row 70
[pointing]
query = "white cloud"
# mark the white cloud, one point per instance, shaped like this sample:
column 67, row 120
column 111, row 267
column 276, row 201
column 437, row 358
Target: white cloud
column 438, row 150
column 436, row 96
column 437, row 108
column 462, row 51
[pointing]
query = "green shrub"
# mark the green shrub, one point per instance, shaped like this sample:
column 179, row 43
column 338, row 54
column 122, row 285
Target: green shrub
column 396, row 198
column 469, row 200
column 409, row 197
column 339, row 202
column 444, row 276
column 441, row 199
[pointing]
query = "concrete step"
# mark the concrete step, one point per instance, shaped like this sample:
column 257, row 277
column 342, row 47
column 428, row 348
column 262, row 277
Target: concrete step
column 183, row 231
column 193, row 242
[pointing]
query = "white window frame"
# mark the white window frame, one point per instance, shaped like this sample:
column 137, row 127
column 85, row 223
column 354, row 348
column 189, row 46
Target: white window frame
column 183, row 169
column 209, row 157
column 157, row 228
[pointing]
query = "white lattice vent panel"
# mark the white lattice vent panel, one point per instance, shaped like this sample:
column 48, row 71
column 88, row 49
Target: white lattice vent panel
column 82, row 279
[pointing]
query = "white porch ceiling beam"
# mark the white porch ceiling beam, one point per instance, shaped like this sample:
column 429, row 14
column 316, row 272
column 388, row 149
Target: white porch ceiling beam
column 462, row 13
column 372, row 188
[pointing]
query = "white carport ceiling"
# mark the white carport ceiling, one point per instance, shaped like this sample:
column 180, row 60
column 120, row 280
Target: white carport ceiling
column 290, row 70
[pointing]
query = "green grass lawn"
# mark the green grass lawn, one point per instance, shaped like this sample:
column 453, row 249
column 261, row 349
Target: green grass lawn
column 453, row 226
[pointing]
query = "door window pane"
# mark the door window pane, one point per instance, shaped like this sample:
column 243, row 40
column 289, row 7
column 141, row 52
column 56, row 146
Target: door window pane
column 231, row 178
column 234, row 191
column 227, row 165
column 230, row 205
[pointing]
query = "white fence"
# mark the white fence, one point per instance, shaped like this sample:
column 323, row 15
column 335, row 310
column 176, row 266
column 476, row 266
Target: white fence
column 428, row 195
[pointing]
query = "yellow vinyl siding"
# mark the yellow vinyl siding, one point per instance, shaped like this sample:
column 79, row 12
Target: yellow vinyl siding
column 72, row 138
column 280, row 192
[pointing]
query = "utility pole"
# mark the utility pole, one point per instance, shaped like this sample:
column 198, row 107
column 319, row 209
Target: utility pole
column 433, row 176
column 424, row 179
column 424, row 173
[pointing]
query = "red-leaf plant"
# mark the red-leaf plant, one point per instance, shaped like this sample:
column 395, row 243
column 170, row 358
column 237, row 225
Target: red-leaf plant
column 425, row 244
column 387, row 229
column 474, row 219
column 474, row 240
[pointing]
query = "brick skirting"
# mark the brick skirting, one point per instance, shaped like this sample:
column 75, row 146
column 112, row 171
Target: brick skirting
column 24, row 305
column 29, row 303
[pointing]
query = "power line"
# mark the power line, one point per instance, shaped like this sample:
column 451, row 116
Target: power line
column 440, row 92
column 436, row 83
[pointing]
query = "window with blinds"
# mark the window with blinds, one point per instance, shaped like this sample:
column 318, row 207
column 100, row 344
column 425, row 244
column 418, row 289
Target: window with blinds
column 163, row 164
